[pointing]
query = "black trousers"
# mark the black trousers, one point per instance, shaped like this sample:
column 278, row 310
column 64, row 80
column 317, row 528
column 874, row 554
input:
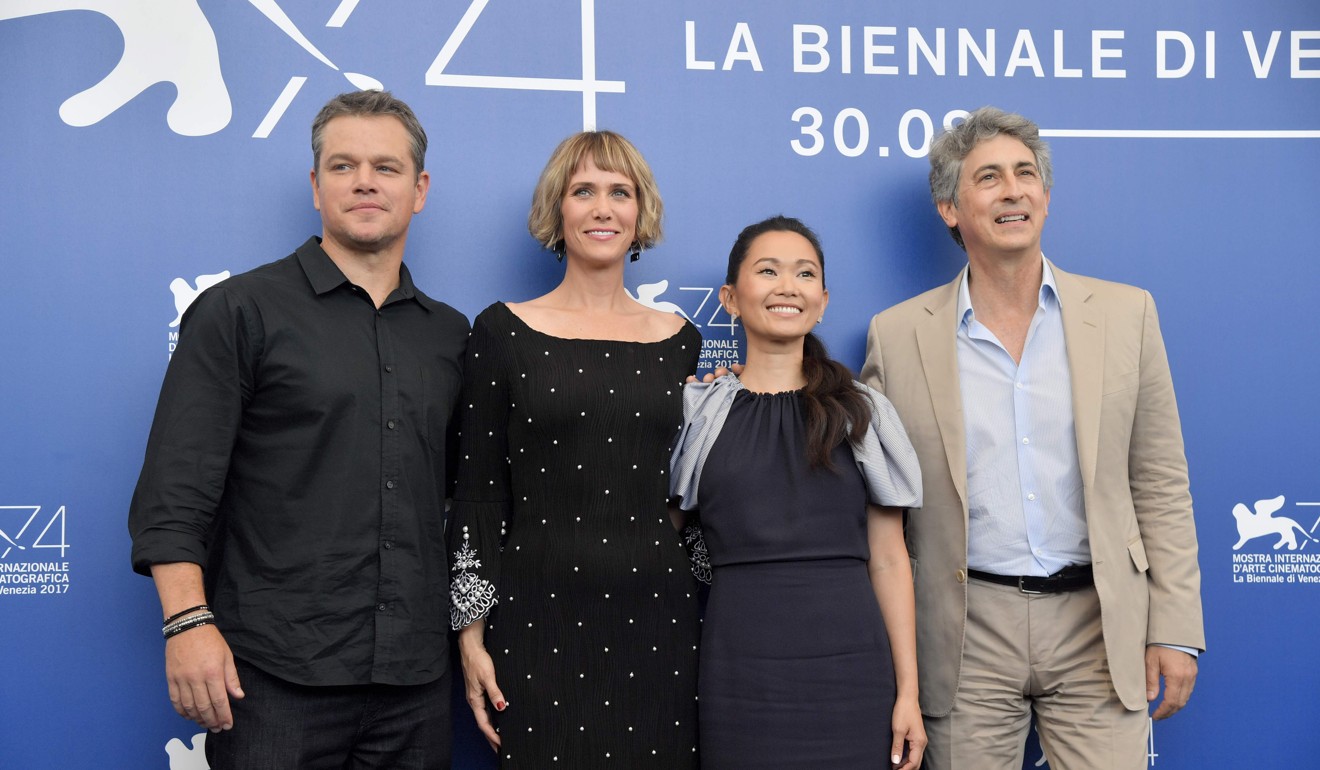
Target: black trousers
column 282, row 726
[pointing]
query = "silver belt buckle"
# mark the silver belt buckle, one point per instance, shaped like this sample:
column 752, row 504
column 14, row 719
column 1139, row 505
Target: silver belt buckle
column 1023, row 588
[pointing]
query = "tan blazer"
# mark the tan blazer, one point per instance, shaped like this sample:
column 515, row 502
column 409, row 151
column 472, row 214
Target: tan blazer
column 1134, row 473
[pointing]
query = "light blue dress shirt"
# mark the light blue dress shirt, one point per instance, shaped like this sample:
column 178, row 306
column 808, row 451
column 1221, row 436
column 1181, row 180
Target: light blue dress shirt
column 1026, row 513
column 1024, row 483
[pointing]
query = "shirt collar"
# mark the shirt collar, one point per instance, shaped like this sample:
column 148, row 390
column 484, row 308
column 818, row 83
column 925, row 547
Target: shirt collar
column 325, row 276
column 1048, row 290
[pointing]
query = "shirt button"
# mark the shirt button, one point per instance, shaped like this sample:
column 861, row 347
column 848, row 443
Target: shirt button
column 962, row 576
column 1017, row 385
column 389, row 367
column 1026, row 440
column 389, row 484
column 389, row 545
column 381, row 607
column 1031, row 495
column 390, row 424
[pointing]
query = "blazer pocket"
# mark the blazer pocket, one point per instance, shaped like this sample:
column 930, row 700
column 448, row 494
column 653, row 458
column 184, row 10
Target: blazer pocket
column 1137, row 550
column 1122, row 382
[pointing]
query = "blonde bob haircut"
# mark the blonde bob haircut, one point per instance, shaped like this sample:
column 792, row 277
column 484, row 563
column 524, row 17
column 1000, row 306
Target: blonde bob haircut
column 610, row 152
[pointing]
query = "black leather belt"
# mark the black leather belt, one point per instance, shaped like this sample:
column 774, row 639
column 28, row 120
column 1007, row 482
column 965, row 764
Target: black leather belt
column 1066, row 579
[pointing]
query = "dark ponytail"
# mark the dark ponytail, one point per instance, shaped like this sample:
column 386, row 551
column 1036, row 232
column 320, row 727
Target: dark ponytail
column 835, row 408
column 834, row 405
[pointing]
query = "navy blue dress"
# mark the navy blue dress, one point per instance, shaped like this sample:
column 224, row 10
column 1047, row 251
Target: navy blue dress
column 795, row 668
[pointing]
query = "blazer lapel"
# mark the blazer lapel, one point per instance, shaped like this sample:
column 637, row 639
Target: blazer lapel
column 937, row 344
column 1084, row 335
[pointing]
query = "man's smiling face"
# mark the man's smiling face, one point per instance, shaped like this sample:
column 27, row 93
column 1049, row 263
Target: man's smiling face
column 1001, row 203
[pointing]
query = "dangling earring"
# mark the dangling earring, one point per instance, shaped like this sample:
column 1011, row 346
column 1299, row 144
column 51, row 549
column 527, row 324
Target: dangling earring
column 636, row 252
column 557, row 248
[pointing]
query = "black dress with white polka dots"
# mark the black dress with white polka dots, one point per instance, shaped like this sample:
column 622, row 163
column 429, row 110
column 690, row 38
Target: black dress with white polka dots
column 590, row 604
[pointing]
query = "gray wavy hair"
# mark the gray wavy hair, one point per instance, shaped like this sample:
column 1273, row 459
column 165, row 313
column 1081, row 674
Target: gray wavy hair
column 950, row 148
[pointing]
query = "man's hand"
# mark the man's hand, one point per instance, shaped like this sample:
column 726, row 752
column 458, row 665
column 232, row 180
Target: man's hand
column 200, row 671
column 199, row 667
column 1179, row 672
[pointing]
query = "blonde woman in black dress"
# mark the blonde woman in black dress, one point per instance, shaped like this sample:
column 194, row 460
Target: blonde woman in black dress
column 801, row 476
column 570, row 584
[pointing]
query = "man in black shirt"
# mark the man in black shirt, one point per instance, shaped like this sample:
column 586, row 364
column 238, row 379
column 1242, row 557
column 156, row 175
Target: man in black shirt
column 291, row 505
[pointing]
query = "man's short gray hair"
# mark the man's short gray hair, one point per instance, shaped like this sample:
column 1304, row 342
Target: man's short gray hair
column 950, row 148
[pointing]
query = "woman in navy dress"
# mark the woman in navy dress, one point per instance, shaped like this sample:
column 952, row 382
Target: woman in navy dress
column 800, row 476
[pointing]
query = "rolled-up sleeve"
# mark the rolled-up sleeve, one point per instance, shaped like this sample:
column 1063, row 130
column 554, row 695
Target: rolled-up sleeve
column 198, row 416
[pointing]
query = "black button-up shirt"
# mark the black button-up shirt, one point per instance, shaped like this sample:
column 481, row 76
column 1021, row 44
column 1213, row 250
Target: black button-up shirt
column 298, row 454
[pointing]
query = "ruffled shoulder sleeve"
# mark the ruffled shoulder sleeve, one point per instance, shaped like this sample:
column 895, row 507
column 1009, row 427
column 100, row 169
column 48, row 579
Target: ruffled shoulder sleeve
column 886, row 457
column 705, row 407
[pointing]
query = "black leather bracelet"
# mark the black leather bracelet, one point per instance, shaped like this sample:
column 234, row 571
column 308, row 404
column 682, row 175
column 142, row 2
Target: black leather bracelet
column 190, row 610
column 186, row 624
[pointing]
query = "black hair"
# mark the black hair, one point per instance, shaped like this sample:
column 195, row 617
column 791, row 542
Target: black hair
column 835, row 407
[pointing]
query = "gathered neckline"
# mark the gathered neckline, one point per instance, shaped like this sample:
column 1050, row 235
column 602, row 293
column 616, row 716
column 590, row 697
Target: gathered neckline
column 775, row 394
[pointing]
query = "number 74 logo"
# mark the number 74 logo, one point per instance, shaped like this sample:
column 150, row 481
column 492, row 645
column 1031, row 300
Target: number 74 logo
column 17, row 521
column 649, row 294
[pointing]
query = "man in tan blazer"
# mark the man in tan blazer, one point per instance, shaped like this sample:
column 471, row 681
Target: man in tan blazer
column 1055, row 553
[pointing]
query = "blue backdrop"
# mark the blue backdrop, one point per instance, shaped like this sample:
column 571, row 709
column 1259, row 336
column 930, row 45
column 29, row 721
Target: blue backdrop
column 147, row 145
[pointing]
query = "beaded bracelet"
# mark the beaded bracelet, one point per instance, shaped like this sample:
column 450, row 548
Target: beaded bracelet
column 180, row 614
column 185, row 625
column 176, row 623
column 204, row 614
column 175, row 632
column 174, row 629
